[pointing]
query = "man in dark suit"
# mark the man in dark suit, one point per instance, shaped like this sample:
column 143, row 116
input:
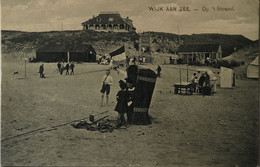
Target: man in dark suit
column 72, row 68
column 159, row 69
column 67, row 67
column 41, row 70
column 59, row 66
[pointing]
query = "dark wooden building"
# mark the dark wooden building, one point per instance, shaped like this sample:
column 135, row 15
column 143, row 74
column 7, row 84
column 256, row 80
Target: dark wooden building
column 109, row 22
column 76, row 52
column 201, row 53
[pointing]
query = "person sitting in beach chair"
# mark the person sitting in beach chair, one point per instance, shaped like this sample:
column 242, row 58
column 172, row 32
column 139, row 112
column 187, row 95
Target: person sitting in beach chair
column 194, row 82
column 204, row 85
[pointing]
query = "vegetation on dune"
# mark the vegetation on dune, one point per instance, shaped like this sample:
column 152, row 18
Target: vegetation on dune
column 29, row 42
column 246, row 54
column 228, row 42
column 15, row 41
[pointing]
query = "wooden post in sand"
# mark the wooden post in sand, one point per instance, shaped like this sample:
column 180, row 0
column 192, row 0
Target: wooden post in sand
column 180, row 73
column 25, row 67
column 187, row 73
column 68, row 57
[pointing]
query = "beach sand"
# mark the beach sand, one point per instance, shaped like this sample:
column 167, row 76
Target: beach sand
column 217, row 130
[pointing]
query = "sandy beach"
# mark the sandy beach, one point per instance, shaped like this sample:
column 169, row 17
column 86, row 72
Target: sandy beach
column 217, row 130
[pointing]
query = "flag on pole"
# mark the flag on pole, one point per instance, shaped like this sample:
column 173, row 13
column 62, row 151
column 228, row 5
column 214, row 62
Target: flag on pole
column 118, row 55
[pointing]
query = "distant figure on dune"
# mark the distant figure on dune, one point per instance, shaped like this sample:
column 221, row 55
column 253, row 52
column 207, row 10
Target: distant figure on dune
column 143, row 59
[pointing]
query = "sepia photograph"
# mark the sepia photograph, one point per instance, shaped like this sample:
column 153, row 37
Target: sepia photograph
column 132, row 83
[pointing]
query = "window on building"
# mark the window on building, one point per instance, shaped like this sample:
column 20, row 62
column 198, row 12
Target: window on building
column 91, row 26
column 115, row 27
column 98, row 19
column 104, row 26
column 122, row 26
column 110, row 19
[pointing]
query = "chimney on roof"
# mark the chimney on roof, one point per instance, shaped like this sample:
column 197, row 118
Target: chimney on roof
column 93, row 16
column 129, row 20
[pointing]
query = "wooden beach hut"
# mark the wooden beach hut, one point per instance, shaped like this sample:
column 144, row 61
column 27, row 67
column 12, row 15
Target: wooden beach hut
column 144, row 81
column 54, row 52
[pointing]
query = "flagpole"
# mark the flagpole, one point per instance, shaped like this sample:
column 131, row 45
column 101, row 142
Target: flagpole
column 140, row 44
column 125, row 55
column 178, row 35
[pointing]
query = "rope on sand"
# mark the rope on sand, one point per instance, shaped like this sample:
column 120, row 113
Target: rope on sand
column 41, row 130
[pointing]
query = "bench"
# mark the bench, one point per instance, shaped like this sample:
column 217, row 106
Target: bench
column 185, row 87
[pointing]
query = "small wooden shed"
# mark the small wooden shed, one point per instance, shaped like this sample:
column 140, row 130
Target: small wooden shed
column 54, row 52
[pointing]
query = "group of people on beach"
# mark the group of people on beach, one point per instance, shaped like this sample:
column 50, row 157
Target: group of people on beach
column 201, row 81
column 69, row 67
column 125, row 98
column 107, row 60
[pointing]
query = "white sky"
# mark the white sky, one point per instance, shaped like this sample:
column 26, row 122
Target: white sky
column 47, row 15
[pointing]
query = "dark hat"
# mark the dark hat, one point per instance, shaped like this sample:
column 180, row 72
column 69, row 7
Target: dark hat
column 128, row 80
column 121, row 81
column 122, row 84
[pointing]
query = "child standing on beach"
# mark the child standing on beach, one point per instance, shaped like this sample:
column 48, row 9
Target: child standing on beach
column 121, row 106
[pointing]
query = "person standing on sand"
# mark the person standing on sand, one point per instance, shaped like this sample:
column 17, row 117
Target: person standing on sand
column 59, row 66
column 143, row 59
column 127, row 61
column 41, row 70
column 207, row 79
column 171, row 60
column 140, row 60
column 111, row 64
column 130, row 91
column 202, row 79
column 134, row 60
column 67, row 67
column 193, row 82
column 121, row 106
column 72, row 68
column 107, row 82
column 99, row 58
column 159, row 69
